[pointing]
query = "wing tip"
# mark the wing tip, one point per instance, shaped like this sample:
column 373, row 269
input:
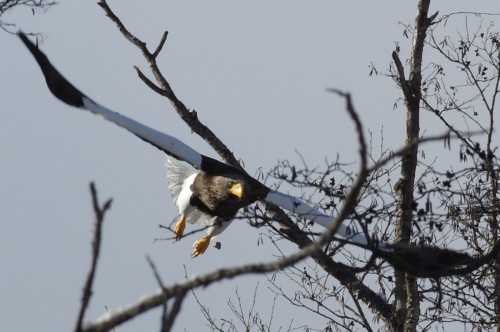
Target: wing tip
column 60, row 87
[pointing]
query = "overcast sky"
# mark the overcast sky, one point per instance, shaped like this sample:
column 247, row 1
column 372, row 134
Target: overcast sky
column 255, row 72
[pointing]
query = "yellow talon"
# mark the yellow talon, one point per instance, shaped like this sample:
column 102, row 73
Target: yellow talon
column 179, row 227
column 201, row 246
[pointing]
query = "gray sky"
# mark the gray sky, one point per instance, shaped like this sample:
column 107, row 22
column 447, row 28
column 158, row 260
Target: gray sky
column 256, row 74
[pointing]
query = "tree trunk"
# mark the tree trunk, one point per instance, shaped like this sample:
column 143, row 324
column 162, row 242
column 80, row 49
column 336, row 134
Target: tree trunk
column 406, row 291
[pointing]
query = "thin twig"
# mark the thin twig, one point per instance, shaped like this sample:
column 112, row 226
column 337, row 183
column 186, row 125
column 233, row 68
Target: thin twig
column 160, row 283
column 96, row 244
column 168, row 317
column 150, row 83
column 169, row 320
column 155, row 271
column 161, row 44
column 351, row 198
column 401, row 76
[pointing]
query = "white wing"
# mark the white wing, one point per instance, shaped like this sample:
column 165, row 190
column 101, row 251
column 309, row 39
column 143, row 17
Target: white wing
column 297, row 206
column 177, row 174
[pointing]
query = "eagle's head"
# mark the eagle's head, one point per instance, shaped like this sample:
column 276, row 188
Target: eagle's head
column 220, row 195
column 236, row 188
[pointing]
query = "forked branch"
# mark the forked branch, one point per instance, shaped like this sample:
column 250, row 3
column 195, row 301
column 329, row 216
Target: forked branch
column 99, row 212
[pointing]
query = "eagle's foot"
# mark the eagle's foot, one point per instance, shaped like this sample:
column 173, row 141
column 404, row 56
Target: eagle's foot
column 201, row 246
column 179, row 227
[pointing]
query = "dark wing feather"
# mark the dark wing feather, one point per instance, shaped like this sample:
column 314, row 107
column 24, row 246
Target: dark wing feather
column 57, row 84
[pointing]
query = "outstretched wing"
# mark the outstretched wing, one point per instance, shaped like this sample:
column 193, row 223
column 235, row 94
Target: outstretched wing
column 297, row 206
column 66, row 92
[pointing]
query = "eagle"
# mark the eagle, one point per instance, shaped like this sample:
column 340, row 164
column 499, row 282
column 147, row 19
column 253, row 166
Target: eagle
column 209, row 193
column 206, row 199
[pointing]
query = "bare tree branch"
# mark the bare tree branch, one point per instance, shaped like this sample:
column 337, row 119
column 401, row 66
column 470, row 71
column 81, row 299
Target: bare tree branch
column 165, row 90
column 96, row 245
column 168, row 317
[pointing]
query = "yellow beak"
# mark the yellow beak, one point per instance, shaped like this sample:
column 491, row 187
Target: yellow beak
column 237, row 190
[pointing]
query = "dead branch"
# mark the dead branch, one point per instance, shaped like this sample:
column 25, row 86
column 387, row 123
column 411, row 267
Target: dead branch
column 96, row 245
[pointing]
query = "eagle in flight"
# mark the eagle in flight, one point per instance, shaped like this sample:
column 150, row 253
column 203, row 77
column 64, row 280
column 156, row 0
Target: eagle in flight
column 206, row 199
column 212, row 193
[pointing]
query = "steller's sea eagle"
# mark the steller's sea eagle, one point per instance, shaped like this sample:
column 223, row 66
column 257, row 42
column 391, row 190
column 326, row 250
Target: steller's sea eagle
column 209, row 195
column 205, row 199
